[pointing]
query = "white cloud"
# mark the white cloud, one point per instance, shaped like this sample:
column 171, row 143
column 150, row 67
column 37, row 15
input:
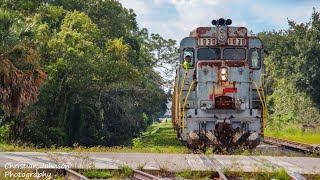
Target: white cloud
column 139, row 6
column 194, row 13
column 190, row 15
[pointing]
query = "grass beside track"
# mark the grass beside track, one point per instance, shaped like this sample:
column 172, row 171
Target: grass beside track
column 159, row 138
column 295, row 133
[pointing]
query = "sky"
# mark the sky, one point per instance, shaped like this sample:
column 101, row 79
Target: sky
column 176, row 18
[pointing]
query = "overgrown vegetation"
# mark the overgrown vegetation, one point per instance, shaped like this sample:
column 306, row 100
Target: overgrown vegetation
column 294, row 132
column 78, row 72
column 293, row 75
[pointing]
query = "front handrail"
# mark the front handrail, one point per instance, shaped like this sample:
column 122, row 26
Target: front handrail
column 263, row 102
column 185, row 103
column 261, row 84
column 264, row 112
column 262, row 131
column 180, row 94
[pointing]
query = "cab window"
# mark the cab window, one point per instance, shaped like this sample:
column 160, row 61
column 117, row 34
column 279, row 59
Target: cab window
column 234, row 54
column 255, row 58
column 188, row 58
column 208, row 54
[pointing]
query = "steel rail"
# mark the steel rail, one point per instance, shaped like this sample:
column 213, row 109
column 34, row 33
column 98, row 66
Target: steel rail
column 73, row 175
column 292, row 144
column 139, row 175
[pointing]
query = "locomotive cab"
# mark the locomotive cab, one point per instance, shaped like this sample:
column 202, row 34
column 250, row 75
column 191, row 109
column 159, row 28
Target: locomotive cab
column 219, row 100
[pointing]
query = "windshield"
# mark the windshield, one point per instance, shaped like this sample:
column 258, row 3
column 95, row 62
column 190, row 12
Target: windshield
column 234, row 54
column 208, row 54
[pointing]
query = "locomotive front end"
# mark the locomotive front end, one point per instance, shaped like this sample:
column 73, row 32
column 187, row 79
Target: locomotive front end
column 219, row 99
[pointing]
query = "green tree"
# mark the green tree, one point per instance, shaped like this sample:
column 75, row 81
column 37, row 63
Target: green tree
column 293, row 72
column 101, row 88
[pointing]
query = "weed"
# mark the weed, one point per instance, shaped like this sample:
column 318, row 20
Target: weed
column 141, row 166
column 125, row 172
column 226, row 171
column 94, row 173
column 189, row 174
column 280, row 174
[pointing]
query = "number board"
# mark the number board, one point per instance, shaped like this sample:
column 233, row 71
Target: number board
column 207, row 42
column 237, row 42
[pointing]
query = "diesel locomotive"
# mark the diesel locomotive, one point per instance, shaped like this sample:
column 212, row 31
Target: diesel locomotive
column 218, row 99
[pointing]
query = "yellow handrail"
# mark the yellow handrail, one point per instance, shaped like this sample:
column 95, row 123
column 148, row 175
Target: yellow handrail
column 264, row 111
column 180, row 94
column 261, row 84
column 263, row 105
column 263, row 102
column 185, row 102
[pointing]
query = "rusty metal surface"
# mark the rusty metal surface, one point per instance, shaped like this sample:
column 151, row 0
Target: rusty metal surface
column 223, row 132
column 235, row 63
column 213, row 31
column 204, row 32
column 237, row 32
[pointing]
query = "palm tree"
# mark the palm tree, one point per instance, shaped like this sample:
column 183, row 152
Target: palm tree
column 20, row 73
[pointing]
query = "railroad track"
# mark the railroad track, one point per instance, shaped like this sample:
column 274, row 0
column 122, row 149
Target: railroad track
column 73, row 175
column 139, row 175
column 292, row 144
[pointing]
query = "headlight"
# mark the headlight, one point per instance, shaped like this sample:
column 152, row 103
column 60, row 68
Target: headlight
column 222, row 34
column 223, row 74
column 223, row 78
column 223, row 71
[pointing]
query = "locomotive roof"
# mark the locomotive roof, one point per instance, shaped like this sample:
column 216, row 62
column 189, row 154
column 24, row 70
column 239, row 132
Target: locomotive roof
column 213, row 31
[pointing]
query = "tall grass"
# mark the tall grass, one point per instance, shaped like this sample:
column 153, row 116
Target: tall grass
column 295, row 132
